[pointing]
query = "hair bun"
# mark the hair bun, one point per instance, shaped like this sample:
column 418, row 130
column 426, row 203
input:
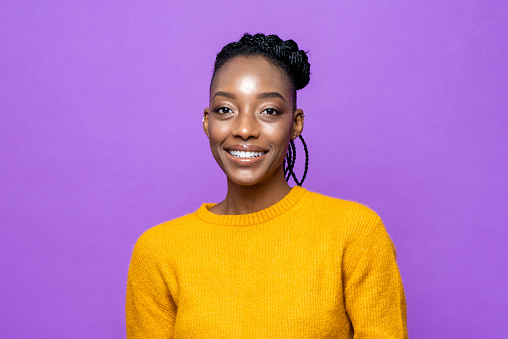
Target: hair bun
column 284, row 52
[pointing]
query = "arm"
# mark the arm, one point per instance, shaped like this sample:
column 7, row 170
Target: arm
column 150, row 309
column 374, row 295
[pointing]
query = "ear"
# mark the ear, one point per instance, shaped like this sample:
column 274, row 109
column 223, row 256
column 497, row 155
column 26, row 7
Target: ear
column 297, row 123
column 205, row 120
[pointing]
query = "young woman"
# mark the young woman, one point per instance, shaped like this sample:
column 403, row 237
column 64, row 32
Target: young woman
column 269, row 261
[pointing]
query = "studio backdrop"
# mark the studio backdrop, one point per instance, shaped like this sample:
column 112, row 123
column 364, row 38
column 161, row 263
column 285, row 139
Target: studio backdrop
column 101, row 138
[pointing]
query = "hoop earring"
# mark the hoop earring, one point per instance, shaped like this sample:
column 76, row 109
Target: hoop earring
column 291, row 159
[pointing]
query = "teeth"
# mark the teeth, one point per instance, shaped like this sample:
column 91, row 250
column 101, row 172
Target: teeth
column 242, row 154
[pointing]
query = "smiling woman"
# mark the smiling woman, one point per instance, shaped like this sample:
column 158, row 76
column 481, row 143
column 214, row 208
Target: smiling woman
column 270, row 260
column 250, row 122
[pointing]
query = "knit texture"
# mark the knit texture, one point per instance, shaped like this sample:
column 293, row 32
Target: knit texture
column 309, row 266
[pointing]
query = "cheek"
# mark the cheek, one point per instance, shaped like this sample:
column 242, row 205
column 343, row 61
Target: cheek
column 217, row 132
column 279, row 136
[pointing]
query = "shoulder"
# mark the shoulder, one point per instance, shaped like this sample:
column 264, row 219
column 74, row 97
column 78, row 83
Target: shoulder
column 339, row 209
column 359, row 227
column 164, row 234
column 353, row 223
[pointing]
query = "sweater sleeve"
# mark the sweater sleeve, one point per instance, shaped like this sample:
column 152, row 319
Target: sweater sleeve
column 150, row 309
column 374, row 295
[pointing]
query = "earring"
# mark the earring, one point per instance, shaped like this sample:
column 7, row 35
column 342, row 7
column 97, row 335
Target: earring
column 203, row 119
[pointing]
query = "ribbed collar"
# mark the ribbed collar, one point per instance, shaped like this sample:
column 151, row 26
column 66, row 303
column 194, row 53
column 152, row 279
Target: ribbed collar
column 262, row 216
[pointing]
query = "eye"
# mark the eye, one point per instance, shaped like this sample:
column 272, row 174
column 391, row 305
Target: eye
column 223, row 110
column 271, row 111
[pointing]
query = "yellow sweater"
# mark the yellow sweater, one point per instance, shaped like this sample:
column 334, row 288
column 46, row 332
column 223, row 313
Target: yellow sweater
column 309, row 266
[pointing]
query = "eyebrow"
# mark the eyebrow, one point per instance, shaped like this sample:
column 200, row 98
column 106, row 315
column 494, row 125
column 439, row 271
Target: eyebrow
column 264, row 95
column 224, row 94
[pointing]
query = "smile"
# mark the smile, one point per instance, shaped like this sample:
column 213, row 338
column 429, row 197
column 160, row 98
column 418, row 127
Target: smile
column 243, row 154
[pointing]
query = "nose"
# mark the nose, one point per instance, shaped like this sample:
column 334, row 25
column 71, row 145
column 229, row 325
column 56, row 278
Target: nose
column 246, row 126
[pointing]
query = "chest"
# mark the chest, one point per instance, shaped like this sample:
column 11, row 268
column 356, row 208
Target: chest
column 280, row 285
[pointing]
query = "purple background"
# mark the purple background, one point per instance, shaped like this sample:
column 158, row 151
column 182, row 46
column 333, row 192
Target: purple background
column 101, row 138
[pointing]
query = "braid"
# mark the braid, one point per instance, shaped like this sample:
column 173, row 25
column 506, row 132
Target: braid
column 291, row 159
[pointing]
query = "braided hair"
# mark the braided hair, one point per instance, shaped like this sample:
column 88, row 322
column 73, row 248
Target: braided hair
column 286, row 55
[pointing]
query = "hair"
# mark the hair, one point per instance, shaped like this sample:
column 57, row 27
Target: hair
column 283, row 53
column 286, row 55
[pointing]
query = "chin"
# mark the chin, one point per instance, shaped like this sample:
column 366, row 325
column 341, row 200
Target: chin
column 253, row 178
column 244, row 181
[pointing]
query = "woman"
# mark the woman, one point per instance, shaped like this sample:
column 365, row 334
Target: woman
column 269, row 261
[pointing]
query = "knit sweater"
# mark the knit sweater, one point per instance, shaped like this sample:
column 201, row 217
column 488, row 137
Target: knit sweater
column 309, row 266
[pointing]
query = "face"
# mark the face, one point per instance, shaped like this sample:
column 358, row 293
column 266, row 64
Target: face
column 251, row 119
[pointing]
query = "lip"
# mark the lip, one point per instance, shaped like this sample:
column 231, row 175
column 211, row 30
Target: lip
column 245, row 148
column 245, row 162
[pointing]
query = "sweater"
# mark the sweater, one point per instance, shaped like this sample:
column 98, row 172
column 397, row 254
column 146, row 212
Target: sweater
column 309, row 266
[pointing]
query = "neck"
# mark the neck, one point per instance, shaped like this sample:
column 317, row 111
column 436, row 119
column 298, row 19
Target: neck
column 250, row 199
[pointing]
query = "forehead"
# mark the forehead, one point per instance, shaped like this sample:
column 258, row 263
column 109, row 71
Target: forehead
column 252, row 71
